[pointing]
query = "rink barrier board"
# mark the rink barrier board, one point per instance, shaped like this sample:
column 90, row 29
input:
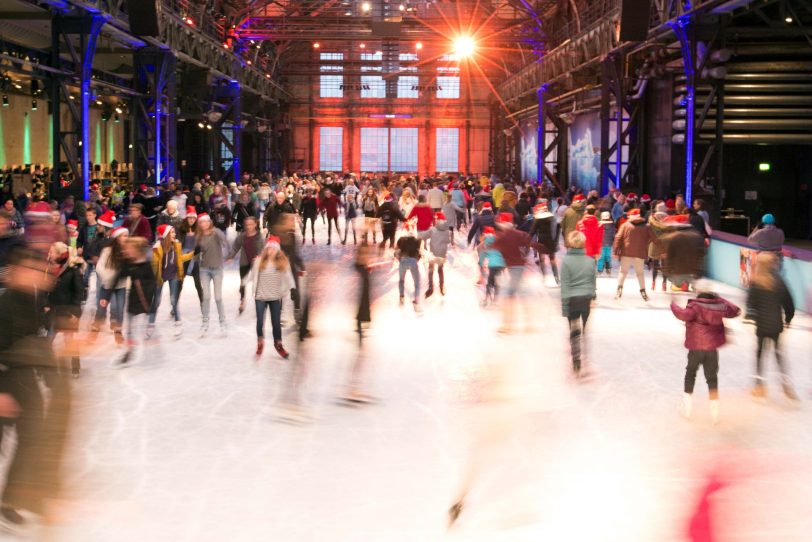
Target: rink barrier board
column 729, row 257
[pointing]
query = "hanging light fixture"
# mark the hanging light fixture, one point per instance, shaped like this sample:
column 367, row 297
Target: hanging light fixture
column 5, row 100
column 34, row 104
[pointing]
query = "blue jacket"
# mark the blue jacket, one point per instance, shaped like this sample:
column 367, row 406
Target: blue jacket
column 493, row 256
column 481, row 220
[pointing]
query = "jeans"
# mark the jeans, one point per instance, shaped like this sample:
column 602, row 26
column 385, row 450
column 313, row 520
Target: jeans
column 625, row 263
column 440, row 275
column 195, row 274
column 514, row 279
column 118, row 298
column 578, row 314
column 762, row 342
column 709, row 360
column 409, row 264
column 207, row 276
column 174, row 293
column 492, row 288
column 605, row 261
column 275, row 308
column 89, row 270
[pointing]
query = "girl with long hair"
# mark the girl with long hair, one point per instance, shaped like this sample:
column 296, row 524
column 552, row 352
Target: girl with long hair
column 187, row 237
column 167, row 266
column 210, row 246
column 767, row 297
column 249, row 246
column 113, row 286
column 370, row 209
column 273, row 280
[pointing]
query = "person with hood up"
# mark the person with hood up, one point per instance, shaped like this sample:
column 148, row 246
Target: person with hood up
column 767, row 297
column 482, row 220
column 593, row 232
column 704, row 335
column 572, row 216
column 543, row 231
column 439, row 238
column 453, row 214
column 609, row 232
column 631, row 247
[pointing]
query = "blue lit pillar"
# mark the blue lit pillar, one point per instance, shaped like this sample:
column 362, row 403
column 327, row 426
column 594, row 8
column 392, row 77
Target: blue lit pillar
column 89, row 41
column 541, row 134
column 682, row 28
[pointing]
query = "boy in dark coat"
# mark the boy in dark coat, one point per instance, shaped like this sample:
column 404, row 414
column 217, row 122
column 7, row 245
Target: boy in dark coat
column 704, row 334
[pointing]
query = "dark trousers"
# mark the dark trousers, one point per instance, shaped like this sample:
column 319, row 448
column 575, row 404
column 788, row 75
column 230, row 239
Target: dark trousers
column 312, row 220
column 762, row 343
column 440, row 274
column 492, row 288
column 275, row 308
column 709, row 360
column 244, row 270
column 195, row 274
column 388, row 231
column 578, row 315
column 330, row 227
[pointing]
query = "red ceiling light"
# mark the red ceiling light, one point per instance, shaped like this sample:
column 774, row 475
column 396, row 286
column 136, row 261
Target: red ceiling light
column 189, row 21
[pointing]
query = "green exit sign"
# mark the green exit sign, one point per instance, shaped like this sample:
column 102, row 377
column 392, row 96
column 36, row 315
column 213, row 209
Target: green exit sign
column 764, row 166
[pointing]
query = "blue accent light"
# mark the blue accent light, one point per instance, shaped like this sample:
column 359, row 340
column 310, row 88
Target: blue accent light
column 680, row 29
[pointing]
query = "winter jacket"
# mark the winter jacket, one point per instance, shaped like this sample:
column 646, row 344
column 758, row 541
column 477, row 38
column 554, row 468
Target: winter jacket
column 704, row 325
column 765, row 306
column 389, row 214
column 158, row 258
column 494, row 257
column 310, row 207
column 424, row 215
column 768, row 238
column 481, row 221
column 329, row 206
column 211, row 248
column 450, row 211
column 139, row 227
column 543, row 230
column 572, row 216
column 578, row 277
column 109, row 276
column 593, row 230
column 510, row 242
column 684, row 253
column 221, row 218
column 241, row 212
column 609, row 232
column 633, row 238
column 68, row 291
column 435, row 198
column 409, row 247
column 259, row 244
column 173, row 220
column 439, row 239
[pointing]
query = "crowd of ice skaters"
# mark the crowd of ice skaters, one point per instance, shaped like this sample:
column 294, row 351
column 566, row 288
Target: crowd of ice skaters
column 141, row 243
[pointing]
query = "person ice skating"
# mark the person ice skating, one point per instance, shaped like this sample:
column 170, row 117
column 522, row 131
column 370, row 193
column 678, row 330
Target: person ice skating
column 350, row 196
column 248, row 245
column 138, row 269
column 439, row 237
column 609, row 232
column 631, row 248
column 108, row 267
column 389, row 215
column 484, row 218
column 329, row 205
column 408, row 254
column 490, row 258
column 273, row 280
column 512, row 243
column 578, row 289
column 543, row 232
column 768, row 237
column 684, row 252
column 210, row 244
column 187, row 235
column 167, row 266
column 309, row 211
column 369, row 206
column 704, row 335
column 64, row 302
column 592, row 229
column 572, row 216
column 767, row 298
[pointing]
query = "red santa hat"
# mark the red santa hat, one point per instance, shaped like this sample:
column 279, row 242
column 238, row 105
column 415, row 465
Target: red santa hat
column 633, row 212
column 505, row 218
column 631, row 195
column 439, row 216
column 487, row 205
column 164, row 230
column 541, row 211
column 73, row 222
column 578, row 198
column 107, row 219
column 39, row 209
column 670, row 204
column 645, row 197
column 677, row 220
column 118, row 232
column 488, row 229
column 203, row 216
column 191, row 211
column 272, row 242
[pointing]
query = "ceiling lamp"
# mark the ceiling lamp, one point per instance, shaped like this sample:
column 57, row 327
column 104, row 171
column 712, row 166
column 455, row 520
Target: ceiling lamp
column 464, row 46
column 418, row 45
column 316, row 45
column 365, row 7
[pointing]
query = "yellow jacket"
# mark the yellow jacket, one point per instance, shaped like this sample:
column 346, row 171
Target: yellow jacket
column 158, row 256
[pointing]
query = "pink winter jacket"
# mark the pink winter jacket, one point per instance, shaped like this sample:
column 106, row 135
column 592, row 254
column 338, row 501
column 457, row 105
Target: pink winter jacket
column 704, row 325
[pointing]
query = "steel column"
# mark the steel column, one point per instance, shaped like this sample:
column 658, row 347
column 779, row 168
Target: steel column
column 154, row 112
column 684, row 31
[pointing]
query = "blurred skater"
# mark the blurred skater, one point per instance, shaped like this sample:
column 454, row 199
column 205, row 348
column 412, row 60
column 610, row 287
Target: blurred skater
column 578, row 289
column 704, row 334
column 64, row 302
column 439, row 237
column 408, row 254
column 767, row 298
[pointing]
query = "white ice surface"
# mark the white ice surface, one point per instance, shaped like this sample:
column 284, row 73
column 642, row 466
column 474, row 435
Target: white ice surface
column 186, row 445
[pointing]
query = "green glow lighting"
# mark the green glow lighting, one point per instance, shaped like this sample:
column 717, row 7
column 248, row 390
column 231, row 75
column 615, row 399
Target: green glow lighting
column 764, row 166
column 27, row 140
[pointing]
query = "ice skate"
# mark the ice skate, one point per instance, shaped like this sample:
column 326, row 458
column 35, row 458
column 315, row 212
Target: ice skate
column 619, row 293
column 204, row 329
column 150, row 331
column 75, row 367
column 685, row 408
column 759, row 393
column 714, row 411
column 454, row 513
column 789, row 393
column 125, row 359
column 644, row 295
column 223, row 329
column 429, row 292
column 260, row 348
column 178, row 330
column 242, row 306
column 280, row 349
column 119, row 336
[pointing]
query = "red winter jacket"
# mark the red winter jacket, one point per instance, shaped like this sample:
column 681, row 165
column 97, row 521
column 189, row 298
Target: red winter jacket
column 703, row 317
column 425, row 216
column 329, row 206
column 141, row 228
column 593, row 230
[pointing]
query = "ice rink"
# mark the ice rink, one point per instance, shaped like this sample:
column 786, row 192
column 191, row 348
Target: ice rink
column 188, row 444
